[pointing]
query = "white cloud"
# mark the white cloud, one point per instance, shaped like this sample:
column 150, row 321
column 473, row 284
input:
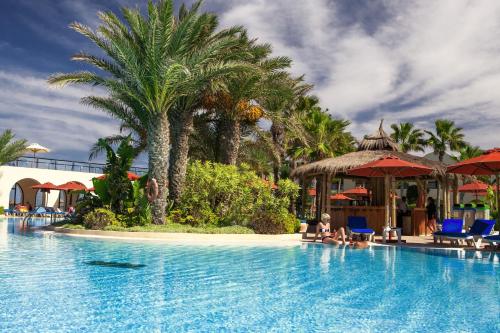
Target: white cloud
column 426, row 59
column 51, row 116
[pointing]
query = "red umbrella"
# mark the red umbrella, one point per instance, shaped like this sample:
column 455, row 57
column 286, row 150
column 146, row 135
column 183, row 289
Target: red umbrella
column 357, row 191
column 340, row 197
column 71, row 186
column 388, row 167
column 474, row 187
column 130, row 175
column 486, row 164
column 45, row 186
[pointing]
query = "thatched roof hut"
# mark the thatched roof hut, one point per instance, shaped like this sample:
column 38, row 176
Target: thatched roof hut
column 339, row 165
column 373, row 147
column 378, row 140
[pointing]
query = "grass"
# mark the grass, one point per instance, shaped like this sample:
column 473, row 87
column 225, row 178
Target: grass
column 169, row 227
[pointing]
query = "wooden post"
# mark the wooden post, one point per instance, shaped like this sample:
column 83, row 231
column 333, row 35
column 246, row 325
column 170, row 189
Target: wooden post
column 393, row 201
column 387, row 199
column 497, row 196
column 303, row 197
column 328, row 186
column 317, row 198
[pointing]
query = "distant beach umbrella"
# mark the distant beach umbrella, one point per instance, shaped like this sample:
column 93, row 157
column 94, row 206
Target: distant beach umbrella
column 37, row 148
column 340, row 197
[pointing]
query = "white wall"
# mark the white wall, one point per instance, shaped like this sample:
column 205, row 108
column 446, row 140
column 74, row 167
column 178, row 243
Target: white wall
column 10, row 175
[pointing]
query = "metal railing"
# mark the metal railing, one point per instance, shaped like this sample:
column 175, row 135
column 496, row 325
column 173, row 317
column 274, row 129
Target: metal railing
column 65, row 165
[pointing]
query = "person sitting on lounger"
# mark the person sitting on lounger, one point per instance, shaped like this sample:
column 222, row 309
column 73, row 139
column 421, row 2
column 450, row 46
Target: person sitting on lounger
column 361, row 242
column 327, row 236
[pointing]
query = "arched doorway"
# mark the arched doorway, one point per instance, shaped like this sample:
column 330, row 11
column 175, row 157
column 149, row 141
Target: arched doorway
column 16, row 196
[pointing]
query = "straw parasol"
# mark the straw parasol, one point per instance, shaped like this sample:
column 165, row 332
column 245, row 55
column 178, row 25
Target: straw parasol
column 378, row 140
column 389, row 167
column 37, row 148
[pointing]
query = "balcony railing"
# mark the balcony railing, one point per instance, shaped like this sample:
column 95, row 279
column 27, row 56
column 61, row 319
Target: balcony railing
column 65, row 165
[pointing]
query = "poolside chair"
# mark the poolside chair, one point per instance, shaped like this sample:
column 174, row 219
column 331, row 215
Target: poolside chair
column 358, row 225
column 448, row 226
column 494, row 240
column 478, row 230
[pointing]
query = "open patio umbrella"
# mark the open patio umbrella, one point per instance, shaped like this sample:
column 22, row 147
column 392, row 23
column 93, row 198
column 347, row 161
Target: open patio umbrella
column 340, row 197
column 486, row 164
column 389, row 167
column 357, row 191
column 37, row 148
column 130, row 175
column 71, row 186
column 476, row 187
column 45, row 187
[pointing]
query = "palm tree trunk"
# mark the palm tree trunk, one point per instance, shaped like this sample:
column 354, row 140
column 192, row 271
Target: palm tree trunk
column 278, row 135
column 230, row 140
column 181, row 123
column 158, row 150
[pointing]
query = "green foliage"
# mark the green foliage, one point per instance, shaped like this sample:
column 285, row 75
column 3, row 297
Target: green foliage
column 10, row 150
column 446, row 137
column 223, row 195
column 268, row 222
column 183, row 228
column 86, row 204
column 2, row 210
column 408, row 137
column 99, row 218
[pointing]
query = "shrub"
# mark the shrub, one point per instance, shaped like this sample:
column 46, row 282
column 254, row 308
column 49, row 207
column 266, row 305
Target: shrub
column 224, row 195
column 99, row 218
column 275, row 223
column 2, row 210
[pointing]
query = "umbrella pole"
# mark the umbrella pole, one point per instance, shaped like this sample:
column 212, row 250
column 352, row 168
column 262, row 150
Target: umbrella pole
column 387, row 199
column 497, row 197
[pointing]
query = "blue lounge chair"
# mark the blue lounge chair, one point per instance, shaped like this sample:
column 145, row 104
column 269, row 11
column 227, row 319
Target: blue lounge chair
column 478, row 230
column 358, row 225
column 449, row 226
column 494, row 240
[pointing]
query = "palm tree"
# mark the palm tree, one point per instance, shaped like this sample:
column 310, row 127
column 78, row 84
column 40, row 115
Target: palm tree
column 447, row 137
column 326, row 137
column 236, row 106
column 259, row 154
column 279, row 102
column 10, row 149
column 151, row 62
column 408, row 137
column 468, row 152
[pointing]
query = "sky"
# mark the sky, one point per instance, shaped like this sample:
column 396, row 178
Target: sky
column 399, row 60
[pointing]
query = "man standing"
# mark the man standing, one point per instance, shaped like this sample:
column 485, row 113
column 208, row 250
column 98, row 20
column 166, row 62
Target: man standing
column 403, row 210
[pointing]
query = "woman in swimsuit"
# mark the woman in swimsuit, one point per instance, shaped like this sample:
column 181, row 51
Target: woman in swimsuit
column 328, row 237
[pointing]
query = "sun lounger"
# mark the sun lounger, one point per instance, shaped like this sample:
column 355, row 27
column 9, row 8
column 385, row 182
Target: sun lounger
column 358, row 225
column 494, row 240
column 449, row 226
column 478, row 230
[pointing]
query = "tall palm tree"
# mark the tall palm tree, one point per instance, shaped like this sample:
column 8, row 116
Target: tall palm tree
column 235, row 106
column 447, row 137
column 408, row 137
column 327, row 137
column 282, row 95
column 10, row 149
column 151, row 62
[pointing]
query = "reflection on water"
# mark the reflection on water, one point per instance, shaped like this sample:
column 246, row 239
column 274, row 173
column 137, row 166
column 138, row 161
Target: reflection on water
column 114, row 264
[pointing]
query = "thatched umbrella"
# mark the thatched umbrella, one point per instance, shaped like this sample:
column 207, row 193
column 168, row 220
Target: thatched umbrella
column 378, row 140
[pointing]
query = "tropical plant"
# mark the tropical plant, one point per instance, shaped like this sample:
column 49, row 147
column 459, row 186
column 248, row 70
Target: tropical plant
column 259, row 154
column 283, row 93
column 326, row 136
column 10, row 149
column 447, row 137
column 408, row 137
column 151, row 62
column 116, row 186
column 237, row 106
column 467, row 152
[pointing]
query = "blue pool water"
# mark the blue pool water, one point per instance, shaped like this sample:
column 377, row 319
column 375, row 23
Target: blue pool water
column 52, row 283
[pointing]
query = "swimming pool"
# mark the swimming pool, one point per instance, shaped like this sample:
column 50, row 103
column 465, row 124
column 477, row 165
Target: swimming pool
column 54, row 283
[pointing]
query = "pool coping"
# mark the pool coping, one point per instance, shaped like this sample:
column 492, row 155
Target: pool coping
column 284, row 240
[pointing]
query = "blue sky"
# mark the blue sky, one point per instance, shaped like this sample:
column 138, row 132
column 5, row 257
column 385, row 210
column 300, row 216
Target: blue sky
column 397, row 60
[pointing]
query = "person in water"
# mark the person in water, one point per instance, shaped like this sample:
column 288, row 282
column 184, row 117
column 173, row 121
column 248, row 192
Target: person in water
column 327, row 236
column 361, row 242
